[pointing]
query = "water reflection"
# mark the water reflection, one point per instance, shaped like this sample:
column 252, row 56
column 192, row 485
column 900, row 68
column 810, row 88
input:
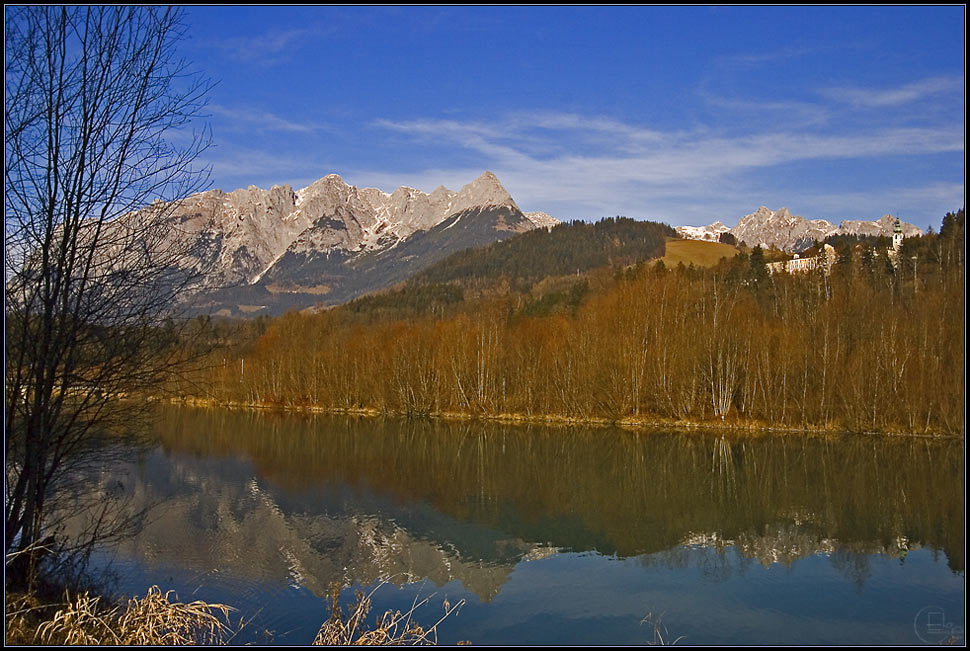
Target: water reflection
column 606, row 490
column 304, row 501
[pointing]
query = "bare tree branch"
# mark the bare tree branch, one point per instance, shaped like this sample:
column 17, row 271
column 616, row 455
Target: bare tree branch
column 92, row 274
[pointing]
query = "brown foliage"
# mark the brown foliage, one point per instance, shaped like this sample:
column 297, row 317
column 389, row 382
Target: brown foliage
column 859, row 350
column 391, row 628
column 85, row 620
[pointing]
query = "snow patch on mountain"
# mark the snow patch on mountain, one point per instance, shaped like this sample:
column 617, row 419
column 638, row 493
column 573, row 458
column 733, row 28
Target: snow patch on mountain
column 781, row 229
column 709, row 233
column 792, row 233
column 541, row 220
column 241, row 235
column 882, row 226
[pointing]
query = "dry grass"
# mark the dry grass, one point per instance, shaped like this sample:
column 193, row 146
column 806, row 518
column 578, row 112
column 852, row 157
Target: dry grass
column 23, row 612
column 698, row 252
column 661, row 637
column 393, row 627
column 150, row 620
column 158, row 620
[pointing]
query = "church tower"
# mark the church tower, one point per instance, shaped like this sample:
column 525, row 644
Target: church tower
column 897, row 235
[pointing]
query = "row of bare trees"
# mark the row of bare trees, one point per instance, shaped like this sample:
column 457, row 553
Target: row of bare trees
column 857, row 350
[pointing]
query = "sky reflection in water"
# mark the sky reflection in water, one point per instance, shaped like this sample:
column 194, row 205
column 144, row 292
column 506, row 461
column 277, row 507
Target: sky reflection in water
column 551, row 535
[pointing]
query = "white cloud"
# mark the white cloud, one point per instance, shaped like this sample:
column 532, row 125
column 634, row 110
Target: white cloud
column 265, row 49
column 247, row 118
column 240, row 167
column 659, row 159
column 912, row 92
column 784, row 111
column 760, row 59
column 630, row 169
column 585, row 167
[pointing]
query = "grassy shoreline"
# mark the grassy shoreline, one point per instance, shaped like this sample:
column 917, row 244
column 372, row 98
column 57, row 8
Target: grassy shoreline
column 730, row 426
column 53, row 614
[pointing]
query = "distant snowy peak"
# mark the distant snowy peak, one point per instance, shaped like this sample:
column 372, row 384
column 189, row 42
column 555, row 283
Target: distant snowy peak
column 882, row 226
column 781, row 229
column 242, row 235
column 793, row 233
column 788, row 232
column 540, row 219
column 404, row 211
column 709, row 233
column 486, row 190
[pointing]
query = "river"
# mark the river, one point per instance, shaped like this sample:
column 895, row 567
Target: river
column 549, row 535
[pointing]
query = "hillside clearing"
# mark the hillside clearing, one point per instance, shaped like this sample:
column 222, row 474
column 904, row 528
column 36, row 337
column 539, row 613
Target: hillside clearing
column 698, row 252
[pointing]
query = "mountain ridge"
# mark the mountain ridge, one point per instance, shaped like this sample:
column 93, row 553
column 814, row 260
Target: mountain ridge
column 331, row 239
column 793, row 233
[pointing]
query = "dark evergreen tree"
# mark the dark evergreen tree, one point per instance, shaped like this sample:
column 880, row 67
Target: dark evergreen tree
column 758, row 269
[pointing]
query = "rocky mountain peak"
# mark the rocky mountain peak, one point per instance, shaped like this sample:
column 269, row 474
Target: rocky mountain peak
column 486, row 190
column 780, row 229
column 783, row 230
column 709, row 233
column 278, row 240
column 541, row 220
column 882, row 226
column 329, row 184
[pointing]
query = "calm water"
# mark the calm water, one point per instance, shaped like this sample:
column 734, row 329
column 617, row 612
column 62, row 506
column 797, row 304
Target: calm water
column 551, row 535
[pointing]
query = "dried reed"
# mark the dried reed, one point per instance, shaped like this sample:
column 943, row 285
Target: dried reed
column 393, row 627
column 150, row 620
column 659, row 630
column 156, row 619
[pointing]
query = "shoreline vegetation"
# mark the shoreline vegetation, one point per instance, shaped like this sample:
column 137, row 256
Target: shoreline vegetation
column 82, row 618
column 730, row 426
column 872, row 341
column 65, row 617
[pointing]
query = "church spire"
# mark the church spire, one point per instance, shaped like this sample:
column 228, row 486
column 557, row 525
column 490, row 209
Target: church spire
column 897, row 235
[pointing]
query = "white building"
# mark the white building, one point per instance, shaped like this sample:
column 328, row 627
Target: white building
column 804, row 265
column 897, row 235
column 893, row 253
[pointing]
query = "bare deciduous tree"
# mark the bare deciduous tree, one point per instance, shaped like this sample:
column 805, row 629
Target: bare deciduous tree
column 98, row 105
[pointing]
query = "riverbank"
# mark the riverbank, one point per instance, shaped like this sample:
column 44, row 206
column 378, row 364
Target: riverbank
column 727, row 426
column 50, row 616
column 38, row 617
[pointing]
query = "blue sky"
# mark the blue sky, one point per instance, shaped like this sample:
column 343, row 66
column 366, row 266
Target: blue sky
column 680, row 114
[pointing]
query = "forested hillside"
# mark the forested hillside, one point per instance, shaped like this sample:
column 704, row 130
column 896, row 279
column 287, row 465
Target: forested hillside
column 869, row 347
column 544, row 268
column 565, row 249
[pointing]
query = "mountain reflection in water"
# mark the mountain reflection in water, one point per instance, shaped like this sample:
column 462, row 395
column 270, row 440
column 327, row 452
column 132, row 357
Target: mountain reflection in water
column 305, row 501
